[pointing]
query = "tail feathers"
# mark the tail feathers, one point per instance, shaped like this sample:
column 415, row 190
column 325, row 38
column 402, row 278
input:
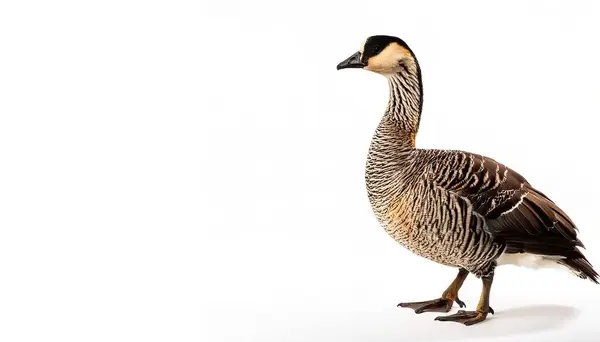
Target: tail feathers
column 581, row 267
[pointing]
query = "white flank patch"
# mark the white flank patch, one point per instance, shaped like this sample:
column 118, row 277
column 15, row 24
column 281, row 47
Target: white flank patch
column 530, row 260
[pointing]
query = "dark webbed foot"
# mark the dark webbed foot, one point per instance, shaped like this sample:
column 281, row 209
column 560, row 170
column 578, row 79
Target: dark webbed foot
column 465, row 317
column 483, row 308
column 436, row 305
column 444, row 303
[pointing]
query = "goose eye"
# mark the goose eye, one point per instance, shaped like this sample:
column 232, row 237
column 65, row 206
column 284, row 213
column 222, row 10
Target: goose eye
column 376, row 48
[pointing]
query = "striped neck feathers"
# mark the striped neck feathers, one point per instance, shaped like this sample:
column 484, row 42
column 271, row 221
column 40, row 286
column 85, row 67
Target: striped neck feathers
column 405, row 102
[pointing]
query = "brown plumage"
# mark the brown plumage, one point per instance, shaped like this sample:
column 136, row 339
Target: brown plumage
column 519, row 216
column 456, row 208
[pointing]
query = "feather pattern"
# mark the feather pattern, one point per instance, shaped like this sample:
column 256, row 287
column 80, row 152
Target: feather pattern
column 454, row 207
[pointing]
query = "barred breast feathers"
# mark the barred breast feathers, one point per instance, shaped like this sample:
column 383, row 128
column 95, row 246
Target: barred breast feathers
column 456, row 207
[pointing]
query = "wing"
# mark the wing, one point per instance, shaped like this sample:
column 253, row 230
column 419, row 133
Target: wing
column 517, row 215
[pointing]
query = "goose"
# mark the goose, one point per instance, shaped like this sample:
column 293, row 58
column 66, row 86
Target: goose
column 455, row 208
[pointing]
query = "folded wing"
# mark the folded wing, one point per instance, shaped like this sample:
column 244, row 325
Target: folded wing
column 517, row 215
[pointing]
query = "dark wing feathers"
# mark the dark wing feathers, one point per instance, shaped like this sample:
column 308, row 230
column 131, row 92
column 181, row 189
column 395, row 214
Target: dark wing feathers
column 583, row 266
column 510, row 204
column 517, row 215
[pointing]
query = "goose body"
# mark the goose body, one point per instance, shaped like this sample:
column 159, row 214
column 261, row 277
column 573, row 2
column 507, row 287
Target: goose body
column 456, row 208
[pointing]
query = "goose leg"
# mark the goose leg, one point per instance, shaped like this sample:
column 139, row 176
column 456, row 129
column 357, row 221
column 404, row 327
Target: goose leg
column 444, row 303
column 483, row 308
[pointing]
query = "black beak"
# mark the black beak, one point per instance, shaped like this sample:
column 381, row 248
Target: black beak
column 352, row 62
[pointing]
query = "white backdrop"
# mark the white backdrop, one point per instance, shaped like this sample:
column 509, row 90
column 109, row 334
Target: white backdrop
column 194, row 171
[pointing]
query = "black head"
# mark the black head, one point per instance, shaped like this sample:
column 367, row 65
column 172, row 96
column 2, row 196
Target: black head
column 381, row 54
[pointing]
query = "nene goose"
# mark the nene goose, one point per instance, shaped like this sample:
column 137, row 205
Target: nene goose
column 455, row 208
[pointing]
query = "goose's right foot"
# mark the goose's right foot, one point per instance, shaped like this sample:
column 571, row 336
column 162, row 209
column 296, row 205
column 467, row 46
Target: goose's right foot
column 443, row 304
column 436, row 305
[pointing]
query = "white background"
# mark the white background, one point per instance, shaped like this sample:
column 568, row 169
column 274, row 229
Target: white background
column 194, row 171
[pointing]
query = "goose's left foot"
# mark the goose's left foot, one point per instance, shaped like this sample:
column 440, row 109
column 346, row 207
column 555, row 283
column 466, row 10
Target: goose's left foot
column 465, row 317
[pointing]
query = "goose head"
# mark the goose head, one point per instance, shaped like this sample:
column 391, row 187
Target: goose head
column 386, row 55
